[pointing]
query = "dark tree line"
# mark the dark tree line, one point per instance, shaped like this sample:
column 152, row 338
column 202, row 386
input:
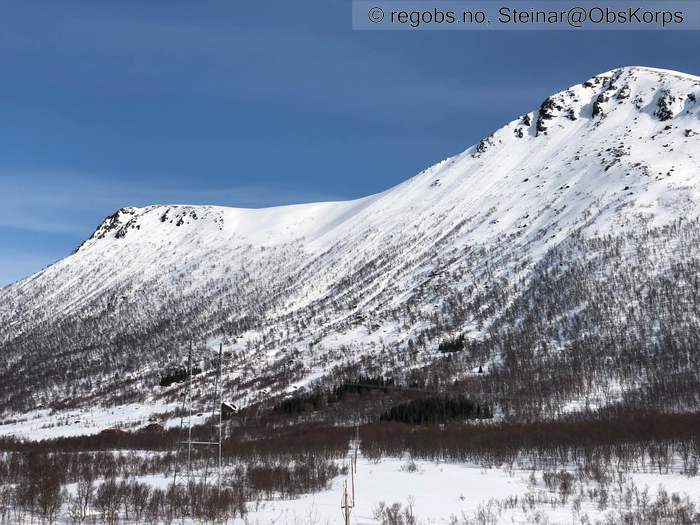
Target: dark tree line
column 436, row 410
column 179, row 375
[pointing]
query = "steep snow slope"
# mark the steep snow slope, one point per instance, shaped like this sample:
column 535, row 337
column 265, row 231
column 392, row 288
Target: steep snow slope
column 296, row 290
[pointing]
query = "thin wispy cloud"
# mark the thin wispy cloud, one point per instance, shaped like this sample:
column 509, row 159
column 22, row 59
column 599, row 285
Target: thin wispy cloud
column 63, row 202
column 15, row 265
column 44, row 216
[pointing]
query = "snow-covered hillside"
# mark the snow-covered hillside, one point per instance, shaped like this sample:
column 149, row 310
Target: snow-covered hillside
column 601, row 181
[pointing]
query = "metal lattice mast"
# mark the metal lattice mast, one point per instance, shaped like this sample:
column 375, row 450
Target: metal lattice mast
column 189, row 418
column 218, row 396
column 221, row 409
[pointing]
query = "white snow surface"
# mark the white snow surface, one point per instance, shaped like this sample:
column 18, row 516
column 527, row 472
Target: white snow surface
column 47, row 424
column 565, row 167
column 439, row 491
column 620, row 151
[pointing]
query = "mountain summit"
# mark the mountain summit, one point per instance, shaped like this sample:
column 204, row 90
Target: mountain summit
column 561, row 252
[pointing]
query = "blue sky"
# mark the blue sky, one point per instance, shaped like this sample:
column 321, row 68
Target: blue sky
column 109, row 104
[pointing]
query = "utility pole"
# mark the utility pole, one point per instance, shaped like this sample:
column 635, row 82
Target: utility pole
column 345, row 504
column 348, row 502
column 357, row 446
column 353, row 461
column 352, row 477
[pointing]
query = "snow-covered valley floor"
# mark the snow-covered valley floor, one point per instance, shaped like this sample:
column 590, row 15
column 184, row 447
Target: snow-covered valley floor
column 421, row 492
column 457, row 493
column 447, row 493
column 407, row 491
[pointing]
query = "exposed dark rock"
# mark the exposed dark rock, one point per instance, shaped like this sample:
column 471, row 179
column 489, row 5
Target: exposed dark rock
column 484, row 144
column 546, row 112
column 593, row 82
column 665, row 103
column 113, row 223
column 623, row 93
column 121, row 232
column 598, row 104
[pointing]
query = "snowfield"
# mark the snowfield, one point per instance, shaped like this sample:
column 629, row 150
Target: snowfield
column 442, row 492
column 564, row 249
column 296, row 291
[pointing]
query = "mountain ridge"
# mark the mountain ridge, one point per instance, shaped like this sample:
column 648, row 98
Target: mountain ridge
column 300, row 292
column 545, row 113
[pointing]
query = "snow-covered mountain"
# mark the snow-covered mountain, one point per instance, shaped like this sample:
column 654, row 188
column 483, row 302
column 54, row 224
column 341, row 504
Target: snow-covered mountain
column 566, row 241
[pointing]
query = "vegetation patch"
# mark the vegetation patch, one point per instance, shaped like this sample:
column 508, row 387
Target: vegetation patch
column 178, row 375
column 436, row 410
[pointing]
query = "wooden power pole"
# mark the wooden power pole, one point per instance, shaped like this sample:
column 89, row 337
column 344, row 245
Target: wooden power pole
column 346, row 504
